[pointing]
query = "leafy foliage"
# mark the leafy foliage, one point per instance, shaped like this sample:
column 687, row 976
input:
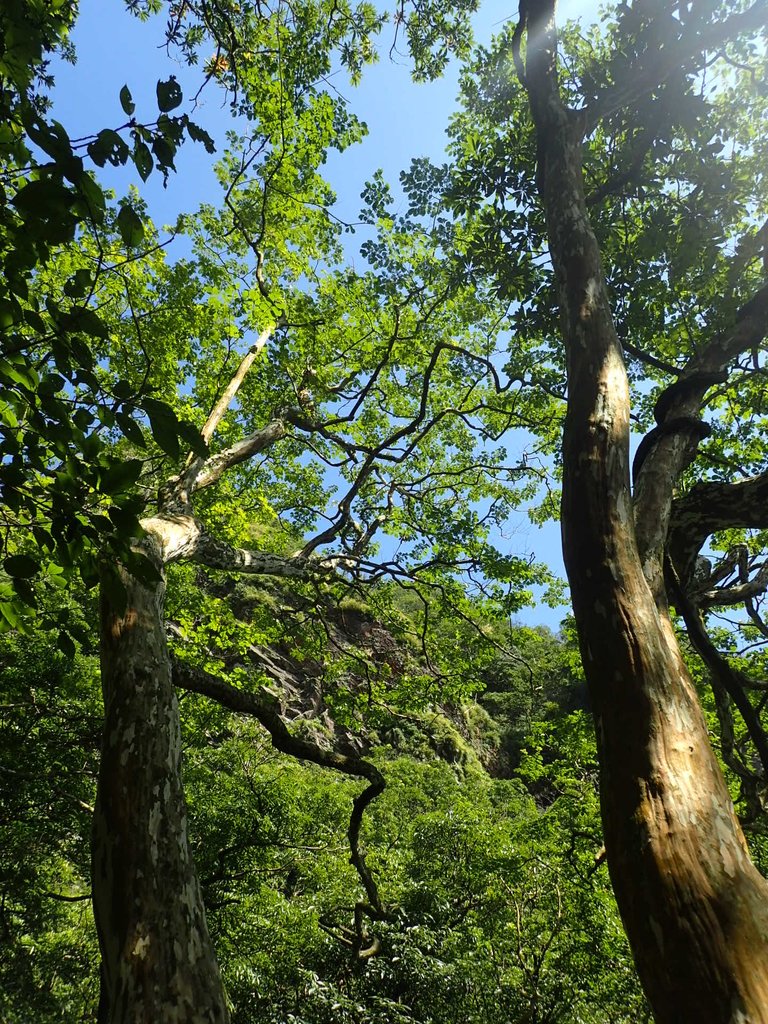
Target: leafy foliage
column 367, row 430
column 50, row 722
column 61, row 248
column 497, row 911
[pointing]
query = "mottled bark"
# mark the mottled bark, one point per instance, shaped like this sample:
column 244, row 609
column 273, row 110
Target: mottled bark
column 694, row 907
column 158, row 962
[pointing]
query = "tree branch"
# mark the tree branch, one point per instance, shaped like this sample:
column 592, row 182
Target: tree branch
column 738, row 593
column 648, row 359
column 373, row 454
column 212, row 469
column 731, row 679
column 712, row 506
column 217, row 554
column 682, row 401
column 233, row 387
column 176, row 534
column 188, row 677
column 190, row 478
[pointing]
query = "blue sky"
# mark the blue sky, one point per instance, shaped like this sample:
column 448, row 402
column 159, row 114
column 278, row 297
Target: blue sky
column 404, row 121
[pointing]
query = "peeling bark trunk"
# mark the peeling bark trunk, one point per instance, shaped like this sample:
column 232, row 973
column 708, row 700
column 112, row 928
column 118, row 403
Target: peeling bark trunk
column 158, row 964
column 694, row 907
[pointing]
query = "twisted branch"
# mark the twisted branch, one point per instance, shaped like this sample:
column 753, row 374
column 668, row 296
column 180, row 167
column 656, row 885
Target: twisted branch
column 189, row 677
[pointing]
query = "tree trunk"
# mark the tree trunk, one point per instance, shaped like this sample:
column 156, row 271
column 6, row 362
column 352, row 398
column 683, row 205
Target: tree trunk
column 694, row 907
column 158, row 964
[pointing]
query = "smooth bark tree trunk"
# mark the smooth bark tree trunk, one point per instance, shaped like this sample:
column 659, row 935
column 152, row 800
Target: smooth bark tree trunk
column 158, row 963
column 694, row 907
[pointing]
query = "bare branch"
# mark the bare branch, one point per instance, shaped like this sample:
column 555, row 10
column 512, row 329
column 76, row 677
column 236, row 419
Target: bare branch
column 176, row 535
column 723, row 673
column 217, row 554
column 81, row 898
column 213, row 468
column 647, row 358
column 233, row 387
column 736, row 593
column 193, row 471
column 680, row 404
column 749, row 330
column 756, row 617
column 343, row 518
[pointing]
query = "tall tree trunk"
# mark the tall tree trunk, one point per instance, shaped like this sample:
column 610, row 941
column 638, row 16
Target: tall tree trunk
column 158, row 964
column 694, row 907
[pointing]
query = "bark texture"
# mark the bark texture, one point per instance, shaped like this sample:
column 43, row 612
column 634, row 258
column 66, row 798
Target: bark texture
column 694, row 907
column 158, row 964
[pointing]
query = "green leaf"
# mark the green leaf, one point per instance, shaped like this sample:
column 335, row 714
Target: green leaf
column 198, row 134
column 126, row 100
column 51, row 138
column 15, row 370
column 110, row 147
column 130, row 226
column 7, row 316
column 43, row 198
column 82, row 418
column 122, row 389
column 51, row 384
column 130, row 429
column 44, row 540
column 10, row 613
column 8, row 416
column 120, row 475
column 165, row 151
column 66, row 644
column 168, row 94
column 85, row 321
column 72, row 168
column 79, row 284
column 126, row 523
column 189, row 433
column 21, row 566
column 142, row 158
column 24, row 591
column 164, row 425
column 92, row 203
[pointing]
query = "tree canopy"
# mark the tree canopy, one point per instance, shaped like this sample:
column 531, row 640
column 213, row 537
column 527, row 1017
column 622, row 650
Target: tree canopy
column 289, row 477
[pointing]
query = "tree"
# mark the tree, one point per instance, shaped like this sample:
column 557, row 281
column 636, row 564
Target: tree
column 495, row 912
column 148, row 908
column 379, row 416
column 378, row 386
column 655, row 241
column 59, row 476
